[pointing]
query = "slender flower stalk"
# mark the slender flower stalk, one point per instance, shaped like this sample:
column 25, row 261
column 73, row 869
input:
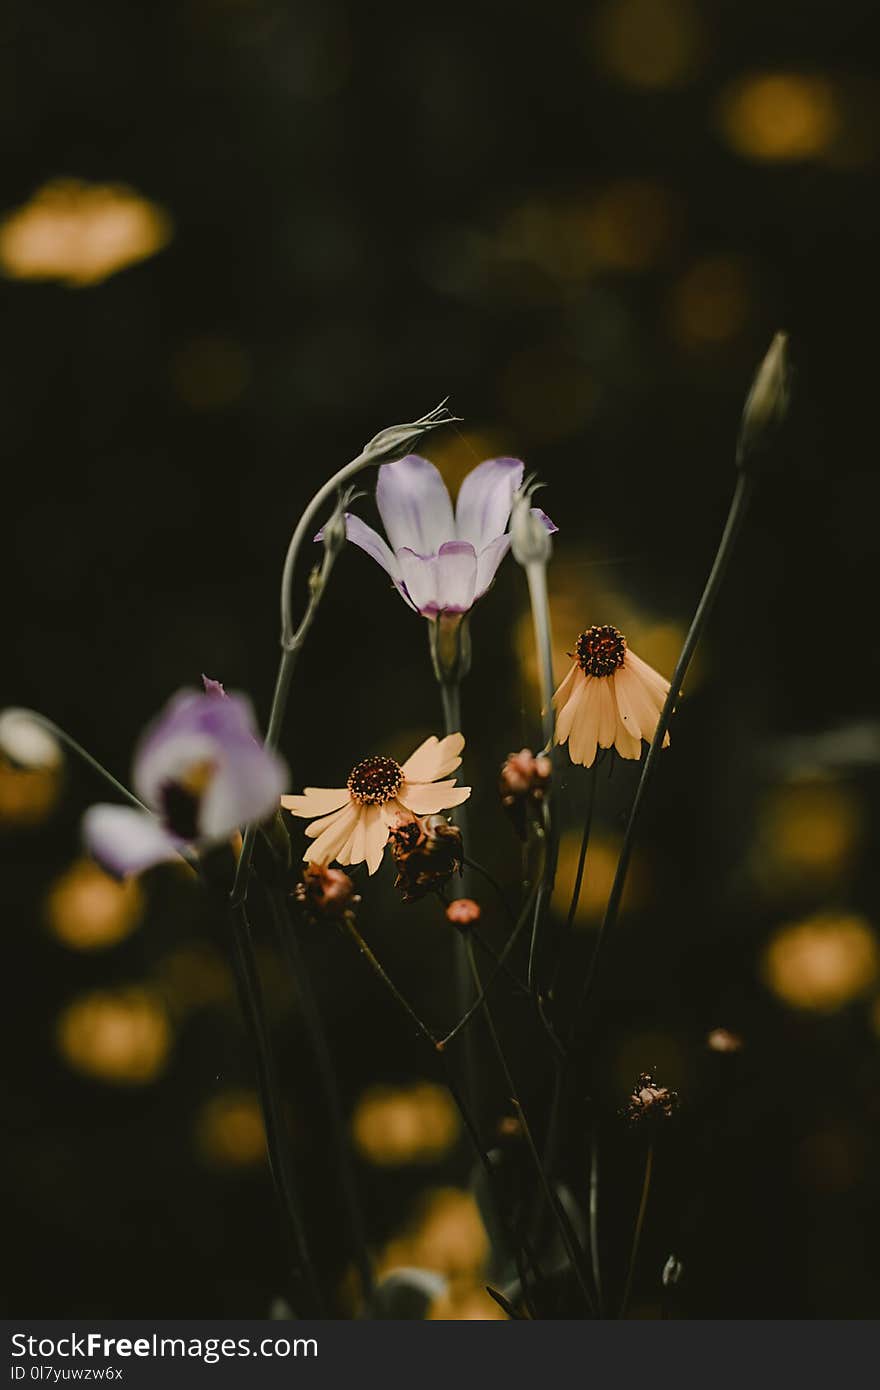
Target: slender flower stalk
column 637, row 1233
column 389, row 444
column 288, row 941
column 594, row 1219
column 84, row 756
column 763, row 415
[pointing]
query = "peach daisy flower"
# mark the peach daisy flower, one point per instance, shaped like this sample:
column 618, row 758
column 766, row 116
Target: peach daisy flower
column 609, row 697
column 353, row 822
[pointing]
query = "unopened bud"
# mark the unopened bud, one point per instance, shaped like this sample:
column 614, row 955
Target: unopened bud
column 27, row 743
column 333, row 533
column 673, row 1272
column 522, row 784
column 325, row 894
column 463, row 913
column 766, row 404
column 399, row 440
column 530, row 530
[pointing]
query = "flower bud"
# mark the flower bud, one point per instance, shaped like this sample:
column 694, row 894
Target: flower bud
column 463, row 913
column 325, row 894
column 673, row 1272
column 333, row 533
column 649, row 1103
column 529, row 534
column 27, row 743
column 399, row 440
column 766, row 404
column 427, row 853
column 522, row 785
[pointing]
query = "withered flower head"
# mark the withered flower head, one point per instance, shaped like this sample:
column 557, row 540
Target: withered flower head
column 427, row 851
column 325, row 894
column 649, row 1103
column 463, row 913
column 522, row 784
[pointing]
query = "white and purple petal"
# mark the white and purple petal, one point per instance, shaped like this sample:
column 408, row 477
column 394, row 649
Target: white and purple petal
column 488, row 560
column 126, row 841
column 414, row 505
column 456, row 570
column 484, row 500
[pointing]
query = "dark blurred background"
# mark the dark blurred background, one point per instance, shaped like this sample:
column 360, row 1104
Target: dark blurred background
column 240, row 236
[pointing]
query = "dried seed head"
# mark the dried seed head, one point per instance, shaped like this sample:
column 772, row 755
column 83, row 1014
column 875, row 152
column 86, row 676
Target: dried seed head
column 427, row 853
column 325, row 894
column 375, row 781
column 463, row 913
column 649, row 1103
column 601, row 651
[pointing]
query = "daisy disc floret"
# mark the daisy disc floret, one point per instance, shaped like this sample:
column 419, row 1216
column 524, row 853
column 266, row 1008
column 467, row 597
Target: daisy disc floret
column 351, row 824
column 441, row 561
column 610, row 698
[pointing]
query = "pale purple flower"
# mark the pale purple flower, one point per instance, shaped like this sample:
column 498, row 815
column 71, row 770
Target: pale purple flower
column 440, row 561
column 202, row 772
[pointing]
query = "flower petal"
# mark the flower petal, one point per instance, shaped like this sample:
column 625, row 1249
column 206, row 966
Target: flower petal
column 456, row 570
column 375, row 841
column 584, row 737
column 607, row 712
column 420, row 577
column 647, row 673
column 316, row 801
column 545, row 520
column 334, row 838
column 434, row 758
column 566, row 716
column 484, row 500
column 414, row 505
column 246, row 787
column 317, row 827
column 127, row 841
column 566, row 688
column 426, row 798
column 488, row 560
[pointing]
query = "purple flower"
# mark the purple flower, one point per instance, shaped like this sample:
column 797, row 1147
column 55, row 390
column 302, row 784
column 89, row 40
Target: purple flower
column 439, row 561
column 202, row 771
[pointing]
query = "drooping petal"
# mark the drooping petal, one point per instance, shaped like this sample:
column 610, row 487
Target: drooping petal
column 566, row 687
column 359, row 533
column 566, row 716
column 607, row 712
column 584, row 737
column 456, row 571
column 420, row 577
column 328, row 844
column 426, row 798
column 485, row 499
column 246, row 787
column 647, row 673
column 434, row 758
column 488, row 560
column 316, row 801
column 375, row 840
column 414, row 505
column 638, row 709
column 127, row 841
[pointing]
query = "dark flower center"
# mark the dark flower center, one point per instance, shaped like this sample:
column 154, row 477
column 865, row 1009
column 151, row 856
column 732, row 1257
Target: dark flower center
column 601, row 651
column 180, row 800
column 375, row 781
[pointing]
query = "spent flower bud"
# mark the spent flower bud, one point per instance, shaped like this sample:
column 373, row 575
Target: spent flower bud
column 325, row 894
column 649, row 1104
column 529, row 535
column 766, row 404
column 427, row 852
column 463, row 913
column 523, row 783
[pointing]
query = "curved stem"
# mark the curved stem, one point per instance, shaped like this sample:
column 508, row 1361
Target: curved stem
column 64, row 737
column 379, row 970
column 493, row 883
column 735, row 518
column 637, row 1234
column 285, row 931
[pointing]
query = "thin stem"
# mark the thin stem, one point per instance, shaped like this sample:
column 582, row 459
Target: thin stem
column 735, row 517
column 64, row 737
column 594, row 1218
column 251, row 1000
column 495, row 958
column 493, row 883
column 536, row 574
column 637, row 1234
column 288, row 940
column 381, row 973
column 566, row 1233
column 582, row 856
column 450, row 694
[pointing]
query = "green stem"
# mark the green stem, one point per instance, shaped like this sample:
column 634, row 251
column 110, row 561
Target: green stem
column 735, row 518
column 285, row 931
column 637, row 1234
column 61, row 734
column 594, row 1218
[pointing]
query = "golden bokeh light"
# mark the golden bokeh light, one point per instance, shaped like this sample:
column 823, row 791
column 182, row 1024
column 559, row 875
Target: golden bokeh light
column 649, row 43
column 630, row 225
column 445, row 1235
column 546, row 393
column 712, row 302
column 598, row 877
column 230, row 1132
column 88, row 910
column 121, row 1036
column 468, row 1305
column 823, row 962
column 806, row 830
column 27, row 795
column 193, row 977
column 780, row 116
column 80, row 233
column 397, row 1125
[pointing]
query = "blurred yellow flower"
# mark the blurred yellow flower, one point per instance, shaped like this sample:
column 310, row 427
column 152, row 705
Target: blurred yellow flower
column 27, row 795
column 822, row 962
column 88, row 910
column 121, row 1036
column 446, row 1235
column 396, row 1125
column 806, row 830
column 650, row 43
column 80, row 233
column 229, row 1130
column 777, row 116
